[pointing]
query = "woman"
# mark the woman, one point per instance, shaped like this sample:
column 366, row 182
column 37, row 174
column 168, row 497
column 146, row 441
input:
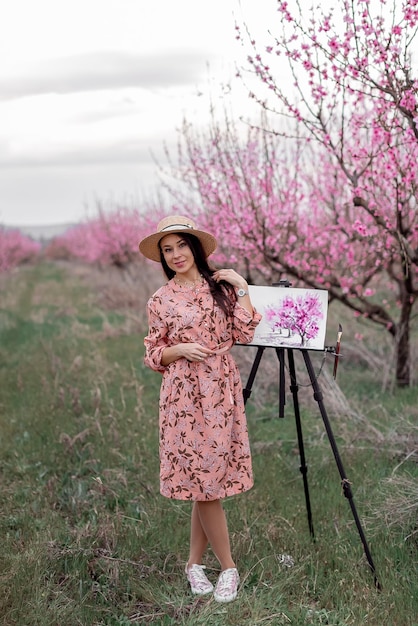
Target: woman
column 194, row 320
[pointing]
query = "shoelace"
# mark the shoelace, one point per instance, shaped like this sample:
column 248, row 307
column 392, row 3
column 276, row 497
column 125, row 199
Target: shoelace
column 197, row 577
column 227, row 581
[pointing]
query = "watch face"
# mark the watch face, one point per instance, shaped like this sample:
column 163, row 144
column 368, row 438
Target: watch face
column 241, row 292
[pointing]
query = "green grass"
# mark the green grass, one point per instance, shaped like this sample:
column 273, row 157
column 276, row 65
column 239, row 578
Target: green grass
column 87, row 539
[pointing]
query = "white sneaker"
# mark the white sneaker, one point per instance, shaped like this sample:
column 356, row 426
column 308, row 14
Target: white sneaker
column 226, row 588
column 199, row 583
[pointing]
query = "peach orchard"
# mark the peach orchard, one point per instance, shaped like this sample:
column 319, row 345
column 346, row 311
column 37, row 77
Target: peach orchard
column 323, row 190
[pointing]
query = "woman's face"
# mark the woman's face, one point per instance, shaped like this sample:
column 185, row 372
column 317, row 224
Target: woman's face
column 177, row 254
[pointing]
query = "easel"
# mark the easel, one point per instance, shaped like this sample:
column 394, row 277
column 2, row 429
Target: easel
column 345, row 483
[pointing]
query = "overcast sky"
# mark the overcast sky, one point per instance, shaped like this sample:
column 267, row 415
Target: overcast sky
column 89, row 88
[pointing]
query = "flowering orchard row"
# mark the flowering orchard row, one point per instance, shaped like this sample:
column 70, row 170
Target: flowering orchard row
column 110, row 238
column 16, row 248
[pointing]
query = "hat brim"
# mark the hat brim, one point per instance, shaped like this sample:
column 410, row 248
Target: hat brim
column 150, row 249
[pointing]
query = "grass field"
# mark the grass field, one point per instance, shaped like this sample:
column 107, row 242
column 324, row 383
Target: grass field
column 86, row 539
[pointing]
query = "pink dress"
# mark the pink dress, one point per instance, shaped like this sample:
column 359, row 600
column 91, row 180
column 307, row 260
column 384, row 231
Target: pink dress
column 204, row 447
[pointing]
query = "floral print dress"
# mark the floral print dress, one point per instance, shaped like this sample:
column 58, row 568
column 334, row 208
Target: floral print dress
column 204, row 447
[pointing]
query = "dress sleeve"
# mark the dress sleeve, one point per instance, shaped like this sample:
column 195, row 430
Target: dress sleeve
column 244, row 324
column 156, row 340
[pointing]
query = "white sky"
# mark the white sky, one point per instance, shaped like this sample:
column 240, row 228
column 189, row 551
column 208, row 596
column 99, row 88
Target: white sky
column 88, row 88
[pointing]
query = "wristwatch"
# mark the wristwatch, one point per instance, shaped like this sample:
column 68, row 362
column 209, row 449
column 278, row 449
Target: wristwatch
column 241, row 293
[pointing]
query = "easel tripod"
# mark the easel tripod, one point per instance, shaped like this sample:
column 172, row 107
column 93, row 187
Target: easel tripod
column 345, row 483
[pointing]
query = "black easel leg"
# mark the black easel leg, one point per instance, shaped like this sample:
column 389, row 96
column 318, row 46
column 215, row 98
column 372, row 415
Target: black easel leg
column 246, row 392
column 344, row 480
column 282, row 396
column 303, row 467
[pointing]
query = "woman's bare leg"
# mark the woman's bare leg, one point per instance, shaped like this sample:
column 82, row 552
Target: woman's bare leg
column 210, row 516
column 198, row 539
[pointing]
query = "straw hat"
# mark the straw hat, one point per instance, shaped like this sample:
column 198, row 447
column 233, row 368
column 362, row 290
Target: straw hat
column 175, row 224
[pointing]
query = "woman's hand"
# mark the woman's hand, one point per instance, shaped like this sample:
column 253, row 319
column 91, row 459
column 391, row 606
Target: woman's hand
column 191, row 351
column 195, row 352
column 238, row 282
column 232, row 277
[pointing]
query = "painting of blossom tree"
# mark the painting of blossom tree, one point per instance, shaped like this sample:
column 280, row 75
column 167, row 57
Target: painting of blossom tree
column 291, row 318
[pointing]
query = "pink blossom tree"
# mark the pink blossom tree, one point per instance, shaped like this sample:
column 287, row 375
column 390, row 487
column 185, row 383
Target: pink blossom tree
column 337, row 210
column 276, row 217
column 355, row 96
column 16, row 248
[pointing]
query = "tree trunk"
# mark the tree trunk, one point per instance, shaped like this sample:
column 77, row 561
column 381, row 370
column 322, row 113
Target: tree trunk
column 403, row 361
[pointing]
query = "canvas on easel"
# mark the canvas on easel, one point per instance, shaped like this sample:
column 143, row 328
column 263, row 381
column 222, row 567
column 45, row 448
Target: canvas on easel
column 291, row 317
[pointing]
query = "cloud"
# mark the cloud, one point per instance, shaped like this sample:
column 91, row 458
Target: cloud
column 106, row 70
column 51, row 195
column 94, row 113
column 107, row 153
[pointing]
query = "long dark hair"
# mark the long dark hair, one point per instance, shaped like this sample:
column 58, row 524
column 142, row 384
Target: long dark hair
column 223, row 293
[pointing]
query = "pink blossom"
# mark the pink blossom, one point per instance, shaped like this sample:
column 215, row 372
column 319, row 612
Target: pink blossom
column 408, row 100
